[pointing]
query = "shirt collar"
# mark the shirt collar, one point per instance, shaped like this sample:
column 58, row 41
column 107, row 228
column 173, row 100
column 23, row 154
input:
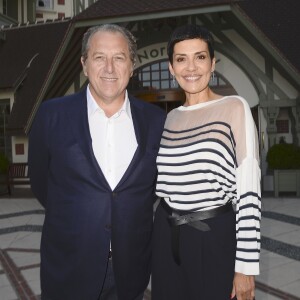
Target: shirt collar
column 93, row 106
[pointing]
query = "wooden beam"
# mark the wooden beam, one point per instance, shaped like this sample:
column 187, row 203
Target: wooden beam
column 239, row 58
column 155, row 15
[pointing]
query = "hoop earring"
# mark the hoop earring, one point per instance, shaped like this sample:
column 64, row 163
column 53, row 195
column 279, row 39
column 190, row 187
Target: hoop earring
column 174, row 81
column 213, row 76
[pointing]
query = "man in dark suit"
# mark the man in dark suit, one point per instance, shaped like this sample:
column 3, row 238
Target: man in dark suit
column 92, row 165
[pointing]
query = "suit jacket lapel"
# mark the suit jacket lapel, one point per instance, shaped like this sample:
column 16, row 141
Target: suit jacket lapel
column 79, row 121
column 140, row 128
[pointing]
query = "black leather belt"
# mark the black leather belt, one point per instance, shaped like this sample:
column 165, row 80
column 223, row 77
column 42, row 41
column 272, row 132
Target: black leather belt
column 177, row 218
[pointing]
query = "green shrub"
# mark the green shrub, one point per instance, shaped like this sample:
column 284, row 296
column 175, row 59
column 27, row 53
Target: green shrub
column 4, row 163
column 284, row 156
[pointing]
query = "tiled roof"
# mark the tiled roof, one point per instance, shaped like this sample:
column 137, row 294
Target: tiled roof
column 279, row 20
column 117, row 8
column 26, row 56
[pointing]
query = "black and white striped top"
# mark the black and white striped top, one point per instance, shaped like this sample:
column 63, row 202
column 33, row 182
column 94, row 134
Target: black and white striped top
column 208, row 156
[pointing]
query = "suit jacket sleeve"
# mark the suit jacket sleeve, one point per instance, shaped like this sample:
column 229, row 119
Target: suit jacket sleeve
column 38, row 156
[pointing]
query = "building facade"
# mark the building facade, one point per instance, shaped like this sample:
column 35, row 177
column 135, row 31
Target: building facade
column 254, row 60
column 23, row 11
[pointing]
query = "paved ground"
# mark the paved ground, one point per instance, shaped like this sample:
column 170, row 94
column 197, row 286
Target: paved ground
column 21, row 219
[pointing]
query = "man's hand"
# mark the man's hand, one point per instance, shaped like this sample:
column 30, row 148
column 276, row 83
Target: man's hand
column 243, row 287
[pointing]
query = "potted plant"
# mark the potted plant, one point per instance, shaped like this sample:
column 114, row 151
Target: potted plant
column 284, row 159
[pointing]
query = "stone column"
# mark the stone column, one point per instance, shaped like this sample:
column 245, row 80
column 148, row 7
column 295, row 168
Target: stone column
column 296, row 124
column 271, row 114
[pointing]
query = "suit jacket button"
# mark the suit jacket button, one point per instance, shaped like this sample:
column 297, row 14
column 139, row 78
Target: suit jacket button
column 114, row 194
column 108, row 226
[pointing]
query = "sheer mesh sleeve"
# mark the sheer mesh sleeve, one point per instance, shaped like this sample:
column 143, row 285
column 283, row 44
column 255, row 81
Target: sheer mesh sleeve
column 248, row 202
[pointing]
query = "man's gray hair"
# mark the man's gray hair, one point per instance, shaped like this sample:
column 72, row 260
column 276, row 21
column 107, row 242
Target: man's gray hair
column 131, row 40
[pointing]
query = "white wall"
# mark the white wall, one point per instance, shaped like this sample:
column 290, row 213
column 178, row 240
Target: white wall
column 237, row 78
column 52, row 13
column 285, row 85
column 246, row 48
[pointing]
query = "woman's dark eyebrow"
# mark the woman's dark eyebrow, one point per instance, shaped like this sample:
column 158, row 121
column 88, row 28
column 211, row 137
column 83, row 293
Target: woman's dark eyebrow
column 183, row 54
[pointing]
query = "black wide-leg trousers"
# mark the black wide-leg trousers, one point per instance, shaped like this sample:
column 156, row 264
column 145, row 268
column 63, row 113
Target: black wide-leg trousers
column 207, row 260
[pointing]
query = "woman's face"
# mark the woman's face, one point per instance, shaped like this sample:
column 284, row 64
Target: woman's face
column 192, row 65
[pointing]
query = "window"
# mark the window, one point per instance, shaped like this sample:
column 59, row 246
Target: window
column 61, row 15
column 152, row 77
column 282, row 126
column 156, row 76
column 47, row 4
column 19, row 149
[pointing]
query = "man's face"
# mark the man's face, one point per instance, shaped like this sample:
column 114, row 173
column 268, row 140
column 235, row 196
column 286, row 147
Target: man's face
column 108, row 66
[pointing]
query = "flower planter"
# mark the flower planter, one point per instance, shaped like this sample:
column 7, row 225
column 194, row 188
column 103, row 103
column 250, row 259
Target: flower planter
column 287, row 181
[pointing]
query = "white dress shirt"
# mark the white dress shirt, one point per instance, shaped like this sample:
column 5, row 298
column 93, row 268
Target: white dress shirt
column 113, row 139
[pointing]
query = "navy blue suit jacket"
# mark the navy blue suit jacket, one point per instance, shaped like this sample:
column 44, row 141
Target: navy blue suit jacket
column 82, row 214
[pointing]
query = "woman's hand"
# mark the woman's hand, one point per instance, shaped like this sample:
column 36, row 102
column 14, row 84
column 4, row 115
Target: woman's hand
column 243, row 287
